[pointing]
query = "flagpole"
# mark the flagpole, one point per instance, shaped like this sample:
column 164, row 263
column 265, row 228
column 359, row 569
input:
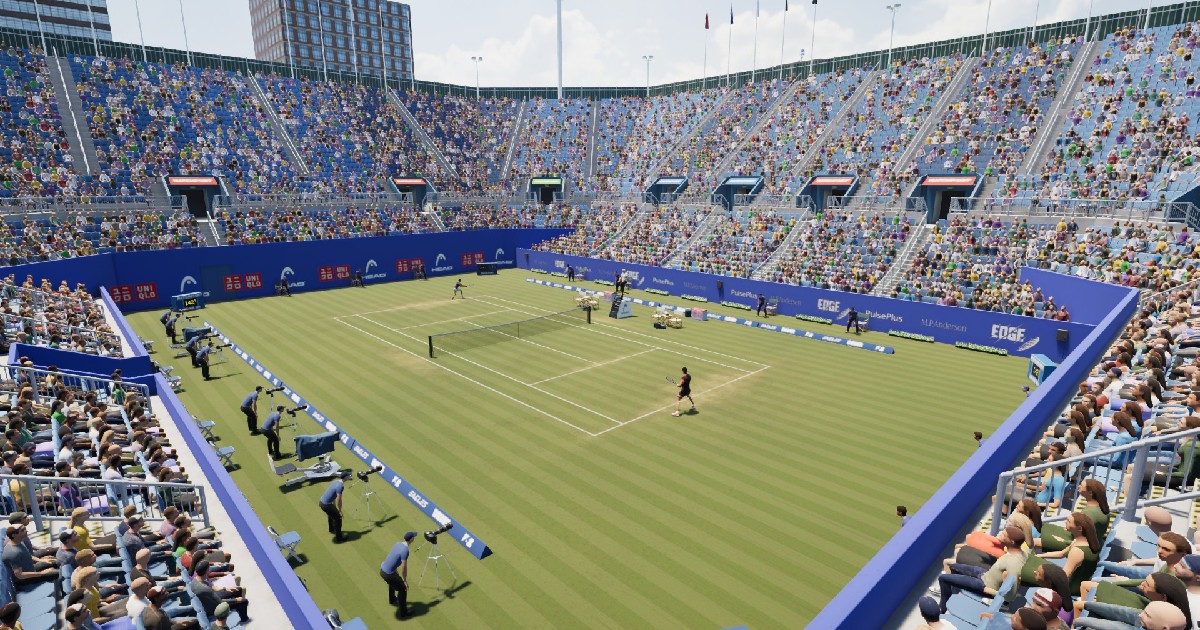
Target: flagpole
column 183, row 21
column 141, row 37
column 754, row 57
column 812, row 47
column 729, row 47
column 783, row 40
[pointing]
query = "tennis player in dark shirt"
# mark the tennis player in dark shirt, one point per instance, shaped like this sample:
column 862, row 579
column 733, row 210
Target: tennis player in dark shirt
column 685, row 391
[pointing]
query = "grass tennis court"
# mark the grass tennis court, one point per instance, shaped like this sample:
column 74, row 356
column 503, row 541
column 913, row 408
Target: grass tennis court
column 560, row 452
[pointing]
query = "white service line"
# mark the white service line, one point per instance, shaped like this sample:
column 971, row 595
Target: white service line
column 462, row 376
column 662, row 409
column 584, row 369
column 498, row 372
column 442, row 321
column 641, row 343
column 498, row 332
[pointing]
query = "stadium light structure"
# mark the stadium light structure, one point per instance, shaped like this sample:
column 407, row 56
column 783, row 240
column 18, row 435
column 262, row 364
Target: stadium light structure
column 1087, row 29
column 183, row 22
column 987, row 22
column 287, row 41
column 476, row 60
column 648, row 59
column 141, row 36
column 321, row 28
column 1036, row 8
column 894, row 8
column 1149, row 5
column 37, row 12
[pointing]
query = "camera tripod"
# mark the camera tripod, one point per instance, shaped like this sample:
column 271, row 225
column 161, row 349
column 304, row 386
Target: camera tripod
column 435, row 556
column 364, row 501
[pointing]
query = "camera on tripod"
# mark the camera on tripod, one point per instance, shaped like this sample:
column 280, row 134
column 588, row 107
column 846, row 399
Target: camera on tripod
column 432, row 535
column 271, row 392
column 363, row 475
column 292, row 412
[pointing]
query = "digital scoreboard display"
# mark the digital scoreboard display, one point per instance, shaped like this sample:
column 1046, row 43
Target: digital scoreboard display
column 187, row 301
column 546, row 181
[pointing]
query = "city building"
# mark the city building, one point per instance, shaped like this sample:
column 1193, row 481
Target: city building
column 76, row 18
column 374, row 38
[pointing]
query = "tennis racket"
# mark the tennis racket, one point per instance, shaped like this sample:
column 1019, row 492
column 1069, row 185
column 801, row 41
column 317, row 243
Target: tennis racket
column 670, row 380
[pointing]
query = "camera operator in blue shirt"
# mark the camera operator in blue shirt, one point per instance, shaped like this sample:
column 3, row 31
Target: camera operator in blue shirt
column 394, row 571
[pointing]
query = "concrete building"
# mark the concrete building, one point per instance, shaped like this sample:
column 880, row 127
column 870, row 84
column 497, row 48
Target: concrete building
column 76, row 18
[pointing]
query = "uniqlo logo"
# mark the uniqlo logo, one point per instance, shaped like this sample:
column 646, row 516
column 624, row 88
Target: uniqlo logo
column 478, row 257
column 147, row 291
column 253, row 281
column 325, row 274
column 342, row 272
column 401, row 266
column 467, row 259
column 121, row 294
column 233, row 283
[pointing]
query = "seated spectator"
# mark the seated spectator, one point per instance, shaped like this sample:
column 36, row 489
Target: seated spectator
column 985, row 581
column 20, row 561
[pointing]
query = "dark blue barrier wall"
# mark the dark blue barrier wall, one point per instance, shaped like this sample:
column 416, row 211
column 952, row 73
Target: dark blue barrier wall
column 1087, row 302
column 131, row 338
column 1018, row 335
column 884, row 584
column 132, row 368
column 301, row 611
column 145, row 280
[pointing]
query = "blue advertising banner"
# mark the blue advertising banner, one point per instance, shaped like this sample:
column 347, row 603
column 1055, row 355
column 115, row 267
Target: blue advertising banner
column 1088, row 302
column 147, row 280
column 461, row 534
column 1022, row 336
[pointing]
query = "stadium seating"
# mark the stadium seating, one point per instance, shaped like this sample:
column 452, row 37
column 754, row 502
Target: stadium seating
column 553, row 142
column 472, row 134
column 738, row 244
column 844, row 252
column 653, row 237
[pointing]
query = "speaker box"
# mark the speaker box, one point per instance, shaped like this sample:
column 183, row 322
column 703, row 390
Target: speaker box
column 1062, row 334
column 720, row 285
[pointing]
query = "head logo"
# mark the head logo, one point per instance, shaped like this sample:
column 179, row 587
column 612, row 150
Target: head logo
column 367, row 275
column 437, row 262
column 287, row 271
column 499, row 254
column 370, row 263
column 1028, row 345
column 186, row 281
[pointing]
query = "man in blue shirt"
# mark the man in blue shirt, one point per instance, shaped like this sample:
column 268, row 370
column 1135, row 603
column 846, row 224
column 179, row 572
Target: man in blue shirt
column 170, row 324
column 202, row 358
column 250, row 408
column 269, row 429
column 394, row 571
column 165, row 316
column 192, row 346
column 331, row 505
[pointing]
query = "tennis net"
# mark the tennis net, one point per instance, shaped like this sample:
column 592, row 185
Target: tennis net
column 461, row 340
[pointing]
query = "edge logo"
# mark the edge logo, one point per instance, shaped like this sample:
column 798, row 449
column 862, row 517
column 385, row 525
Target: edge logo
column 844, row 314
column 287, row 271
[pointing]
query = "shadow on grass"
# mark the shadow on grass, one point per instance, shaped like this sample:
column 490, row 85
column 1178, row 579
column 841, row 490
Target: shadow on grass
column 416, row 609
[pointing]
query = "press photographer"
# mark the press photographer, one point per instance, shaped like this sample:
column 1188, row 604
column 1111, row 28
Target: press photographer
column 331, row 505
column 250, row 408
column 270, row 429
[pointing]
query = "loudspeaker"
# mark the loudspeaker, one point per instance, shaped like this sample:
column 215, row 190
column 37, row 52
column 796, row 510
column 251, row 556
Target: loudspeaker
column 720, row 285
column 1062, row 334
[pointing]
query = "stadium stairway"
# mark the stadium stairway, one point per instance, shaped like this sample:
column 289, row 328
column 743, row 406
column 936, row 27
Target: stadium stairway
column 591, row 145
column 834, row 128
column 764, row 271
column 518, row 124
column 767, row 116
column 916, row 244
column 637, row 218
column 421, row 134
column 934, row 116
column 70, row 109
column 1052, row 124
column 683, row 140
column 710, row 222
column 278, row 128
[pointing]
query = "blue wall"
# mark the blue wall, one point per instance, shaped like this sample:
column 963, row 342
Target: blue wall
column 1018, row 335
column 1087, row 302
column 145, row 280
column 883, row 585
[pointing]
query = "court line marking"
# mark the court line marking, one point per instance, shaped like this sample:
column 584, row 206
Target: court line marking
column 596, row 365
column 499, row 373
column 463, row 376
column 444, row 321
column 672, row 405
column 402, row 307
column 498, row 332
column 641, row 343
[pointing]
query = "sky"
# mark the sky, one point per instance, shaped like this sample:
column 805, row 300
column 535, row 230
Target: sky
column 604, row 41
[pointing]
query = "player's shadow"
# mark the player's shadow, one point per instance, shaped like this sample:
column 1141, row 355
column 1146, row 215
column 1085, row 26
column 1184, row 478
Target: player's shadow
column 416, row 609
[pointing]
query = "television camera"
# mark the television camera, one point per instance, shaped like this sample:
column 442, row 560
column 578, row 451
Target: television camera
column 292, row 412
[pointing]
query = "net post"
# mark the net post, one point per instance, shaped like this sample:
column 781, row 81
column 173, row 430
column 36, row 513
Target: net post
column 430, row 346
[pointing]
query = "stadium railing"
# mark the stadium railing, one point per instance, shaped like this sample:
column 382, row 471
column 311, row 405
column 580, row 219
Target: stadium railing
column 909, row 204
column 289, row 200
column 35, row 323
column 1151, row 461
column 101, row 385
column 35, row 205
column 1123, row 210
column 45, row 498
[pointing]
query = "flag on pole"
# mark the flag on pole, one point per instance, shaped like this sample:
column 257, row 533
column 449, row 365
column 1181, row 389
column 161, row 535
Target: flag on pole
column 785, row 6
column 706, row 21
column 731, row 14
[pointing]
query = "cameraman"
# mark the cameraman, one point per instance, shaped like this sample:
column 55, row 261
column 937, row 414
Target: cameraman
column 269, row 429
column 250, row 408
column 171, row 328
column 331, row 505
column 358, row 279
column 394, row 571
column 192, row 346
column 202, row 358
